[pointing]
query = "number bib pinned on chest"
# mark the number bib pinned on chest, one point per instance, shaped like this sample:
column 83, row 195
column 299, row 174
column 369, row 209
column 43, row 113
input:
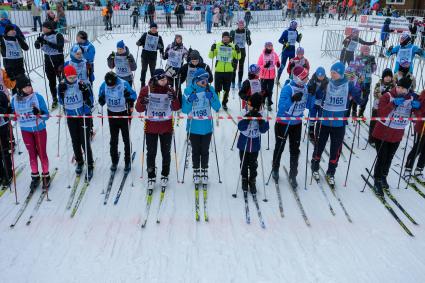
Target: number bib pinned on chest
column 404, row 55
column 253, row 130
column 240, row 39
column 115, row 98
column 336, row 97
column 224, row 54
column 13, row 50
column 255, row 86
column 122, row 66
column 73, row 98
column 174, row 59
column 151, row 43
column 81, row 69
column 190, row 72
column 352, row 46
column 297, row 108
column 159, row 107
column 402, row 111
column 201, row 106
column 24, row 108
column 292, row 37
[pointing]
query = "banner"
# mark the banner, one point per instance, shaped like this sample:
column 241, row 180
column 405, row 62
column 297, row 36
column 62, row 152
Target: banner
column 372, row 21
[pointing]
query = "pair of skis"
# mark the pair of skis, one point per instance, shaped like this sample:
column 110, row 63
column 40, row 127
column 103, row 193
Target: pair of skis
column 205, row 196
column 28, row 200
column 413, row 185
column 149, row 198
column 257, row 206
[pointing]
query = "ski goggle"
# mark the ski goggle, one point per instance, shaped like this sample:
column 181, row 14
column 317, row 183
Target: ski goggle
column 203, row 82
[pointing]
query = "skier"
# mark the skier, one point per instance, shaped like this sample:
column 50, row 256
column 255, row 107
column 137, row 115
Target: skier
column 268, row 62
column 123, row 62
column 194, row 62
column 151, row 41
column 350, row 45
column 89, row 52
column 77, row 98
column 198, row 99
column 249, row 143
column 158, row 99
column 384, row 85
column 404, row 71
column 175, row 54
column 336, row 102
column 135, row 17
column 240, row 37
column 316, row 86
column 418, row 147
column 119, row 98
column 12, row 44
column 406, row 52
column 294, row 99
column 385, row 35
column 251, row 85
column 298, row 60
column 80, row 64
column 288, row 39
column 51, row 43
column 368, row 64
column 397, row 103
column 29, row 105
column 227, row 54
column 6, row 174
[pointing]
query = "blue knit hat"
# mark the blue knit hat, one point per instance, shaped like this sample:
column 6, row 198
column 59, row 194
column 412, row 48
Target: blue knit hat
column 120, row 44
column 339, row 68
column 199, row 75
column 320, row 72
column 4, row 15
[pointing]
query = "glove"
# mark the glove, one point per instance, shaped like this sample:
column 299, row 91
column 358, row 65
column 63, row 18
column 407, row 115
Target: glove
column 40, row 39
column 36, row 111
column 311, row 88
column 213, row 46
column 297, row 97
column 128, row 56
column 209, row 95
column 112, row 55
column 82, row 86
column 171, row 96
column 139, row 43
column 238, row 50
column 101, row 100
column 390, row 48
column 398, row 101
column 267, row 65
column 62, row 87
column 416, row 104
column 287, row 45
column 299, row 37
column 126, row 94
column 192, row 97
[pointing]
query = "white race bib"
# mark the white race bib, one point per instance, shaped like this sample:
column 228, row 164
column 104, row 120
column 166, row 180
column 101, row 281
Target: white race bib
column 81, row 69
column 352, row 46
column 402, row 111
column 189, row 77
column 255, row 86
column 224, row 54
column 201, row 106
column 115, row 98
column 122, row 67
column 159, row 106
column 24, row 107
column 253, row 130
column 240, row 39
column 13, row 50
column 174, row 58
column 297, row 108
column 73, row 98
column 151, row 43
column 404, row 55
column 292, row 37
column 336, row 97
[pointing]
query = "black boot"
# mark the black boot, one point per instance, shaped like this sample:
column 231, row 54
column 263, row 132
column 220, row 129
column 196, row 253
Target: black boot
column 378, row 188
column 275, row 174
column 252, row 187
column 89, row 175
column 245, row 184
column 46, row 180
column 79, row 168
column 293, row 182
column 385, row 184
column 311, row 133
column 55, row 103
column 127, row 167
column 114, row 167
column 35, row 181
column 293, row 170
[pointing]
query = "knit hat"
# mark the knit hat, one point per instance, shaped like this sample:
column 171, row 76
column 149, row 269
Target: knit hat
column 339, row 68
column 74, row 49
column 153, row 25
column 48, row 25
column 387, row 73
column 4, row 15
column 199, row 75
column 268, row 44
column 111, row 78
column 255, row 101
column 254, row 69
column 226, row 33
column 22, row 81
column 120, row 44
column 194, row 55
column 299, row 74
column 8, row 28
column 293, row 24
column 82, row 34
column 300, row 51
column 69, row 70
column 320, row 72
column 405, row 82
column 364, row 49
column 158, row 74
column 387, row 21
column 405, row 39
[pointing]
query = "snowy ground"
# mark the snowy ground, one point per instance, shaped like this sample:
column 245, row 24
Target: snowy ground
column 106, row 244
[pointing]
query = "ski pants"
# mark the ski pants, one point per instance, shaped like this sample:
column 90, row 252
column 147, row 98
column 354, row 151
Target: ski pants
column 135, row 22
column 200, row 150
column 286, row 56
column 249, row 164
column 337, row 137
column 282, row 132
column 115, row 126
column 372, row 124
column 419, row 142
column 209, row 26
column 240, row 65
column 168, row 20
column 151, row 149
column 6, row 161
column 79, row 137
column 179, row 21
column 365, row 88
column 36, row 143
column 147, row 61
column 346, row 56
column 385, row 152
column 222, row 81
column 267, row 85
column 14, row 68
column 53, row 67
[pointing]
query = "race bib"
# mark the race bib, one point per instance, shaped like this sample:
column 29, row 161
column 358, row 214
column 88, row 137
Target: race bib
column 255, row 86
column 404, row 55
column 122, row 66
column 201, row 106
column 189, row 77
column 13, row 50
column 151, row 43
column 224, row 54
column 240, row 39
column 174, row 59
column 297, row 108
column 253, row 130
column 50, row 50
column 115, row 98
column 402, row 111
column 336, row 97
column 159, row 106
column 352, row 46
column 292, row 37
column 81, row 69
column 24, row 108
column 73, row 98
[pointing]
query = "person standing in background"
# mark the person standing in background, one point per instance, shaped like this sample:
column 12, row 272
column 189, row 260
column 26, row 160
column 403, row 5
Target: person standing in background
column 36, row 16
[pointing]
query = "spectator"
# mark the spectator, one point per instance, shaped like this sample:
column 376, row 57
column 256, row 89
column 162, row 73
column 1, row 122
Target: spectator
column 247, row 17
column 151, row 12
column 36, row 16
column 167, row 11
column 216, row 17
column 135, row 15
column 61, row 18
column 317, row 12
column 179, row 12
column 209, row 18
column 229, row 17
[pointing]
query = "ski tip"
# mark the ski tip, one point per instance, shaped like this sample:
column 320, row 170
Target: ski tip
column 28, row 222
column 12, row 226
column 234, row 196
column 265, row 200
column 157, row 222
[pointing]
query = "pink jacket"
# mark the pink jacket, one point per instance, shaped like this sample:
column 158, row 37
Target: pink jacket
column 270, row 72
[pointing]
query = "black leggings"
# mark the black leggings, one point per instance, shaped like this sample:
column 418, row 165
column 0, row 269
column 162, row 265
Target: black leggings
column 151, row 148
column 385, row 151
column 200, row 150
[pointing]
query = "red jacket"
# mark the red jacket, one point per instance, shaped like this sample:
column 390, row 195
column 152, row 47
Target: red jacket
column 298, row 61
column 385, row 107
column 157, row 127
column 420, row 124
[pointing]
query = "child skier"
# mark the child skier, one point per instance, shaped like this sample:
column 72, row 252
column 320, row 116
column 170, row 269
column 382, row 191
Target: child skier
column 194, row 61
column 298, row 60
column 404, row 71
column 89, row 52
column 80, row 64
column 350, row 45
column 251, row 85
column 384, row 85
column 288, row 39
column 335, row 104
column 398, row 103
column 28, row 105
column 249, row 143
column 119, row 98
column 405, row 51
column 268, row 62
column 294, row 99
column 77, row 98
column 317, row 87
column 123, row 62
column 158, row 99
column 198, row 99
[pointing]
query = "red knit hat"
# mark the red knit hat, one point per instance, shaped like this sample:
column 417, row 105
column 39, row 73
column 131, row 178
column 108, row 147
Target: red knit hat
column 69, row 70
column 300, row 72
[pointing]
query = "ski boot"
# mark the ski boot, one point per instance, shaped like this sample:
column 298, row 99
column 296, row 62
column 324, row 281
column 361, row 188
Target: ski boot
column 378, row 188
column 330, row 179
column 79, row 168
column 46, row 180
column 361, row 113
column 252, row 187
column 275, row 174
column 224, row 104
column 419, row 176
column 89, row 174
column 151, row 184
column 385, row 184
column 245, row 184
column 311, row 133
column 196, row 176
column 127, row 167
column 315, row 169
column 233, row 85
column 114, row 167
column 164, row 181
column 7, row 182
column 407, row 173
column 315, row 175
column 204, row 175
column 293, row 181
column 35, row 181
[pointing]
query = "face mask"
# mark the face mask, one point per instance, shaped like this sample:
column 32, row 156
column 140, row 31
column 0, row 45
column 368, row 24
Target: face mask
column 268, row 51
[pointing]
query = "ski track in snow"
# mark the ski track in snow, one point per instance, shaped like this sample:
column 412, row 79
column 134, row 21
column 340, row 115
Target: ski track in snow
column 104, row 243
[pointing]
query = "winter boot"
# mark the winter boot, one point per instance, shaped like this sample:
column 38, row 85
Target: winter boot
column 311, row 133
column 315, row 169
column 378, row 188
column 293, row 182
column 419, row 176
column 35, row 181
column 79, row 169
column 330, row 179
column 204, row 175
column 151, row 184
column 7, row 182
column 252, row 187
column 196, row 176
column 89, row 174
column 114, row 167
column 407, row 173
column 164, row 181
column 224, row 104
column 245, row 184
column 127, row 167
column 275, row 174
column 385, row 184
column 46, row 180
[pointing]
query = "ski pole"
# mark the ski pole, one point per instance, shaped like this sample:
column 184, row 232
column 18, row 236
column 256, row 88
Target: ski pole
column 306, row 155
column 351, row 152
column 404, row 154
column 175, row 156
column 235, row 195
column 45, row 83
column 416, row 152
column 129, row 113
column 215, row 146
column 67, row 154
column 103, row 149
column 13, row 163
column 85, row 141
column 143, row 154
column 17, row 139
column 234, row 139
column 262, row 174
column 187, row 144
column 59, row 133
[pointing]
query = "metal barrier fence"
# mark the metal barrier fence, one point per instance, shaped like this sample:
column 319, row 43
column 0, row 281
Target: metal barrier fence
column 331, row 46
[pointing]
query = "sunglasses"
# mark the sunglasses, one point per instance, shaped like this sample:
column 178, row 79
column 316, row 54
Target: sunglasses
column 203, row 82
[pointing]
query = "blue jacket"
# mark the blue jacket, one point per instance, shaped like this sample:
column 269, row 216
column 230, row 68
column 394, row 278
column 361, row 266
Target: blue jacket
column 89, row 51
column 43, row 109
column 75, row 60
column 208, row 14
column 252, row 144
column 385, row 32
column 353, row 93
column 133, row 95
column 284, row 39
column 415, row 51
column 287, row 108
column 85, row 109
column 5, row 22
column 167, row 9
column 196, row 126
